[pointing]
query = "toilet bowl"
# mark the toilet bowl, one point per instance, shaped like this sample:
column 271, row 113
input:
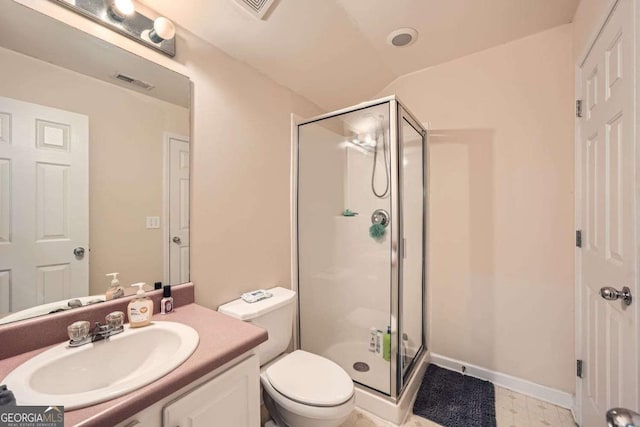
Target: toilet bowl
column 300, row 389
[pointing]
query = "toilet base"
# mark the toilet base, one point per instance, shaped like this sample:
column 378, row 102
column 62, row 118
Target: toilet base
column 282, row 416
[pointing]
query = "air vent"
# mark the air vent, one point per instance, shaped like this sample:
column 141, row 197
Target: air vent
column 402, row 37
column 257, row 8
column 135, row 82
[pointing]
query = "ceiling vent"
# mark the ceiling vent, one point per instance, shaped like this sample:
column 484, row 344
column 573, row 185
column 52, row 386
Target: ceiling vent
column 135, row 82
column 402, row 37
column 257, row 8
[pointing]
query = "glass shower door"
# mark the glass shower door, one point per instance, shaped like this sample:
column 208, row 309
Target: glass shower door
column 344, row 242
column 413, row 219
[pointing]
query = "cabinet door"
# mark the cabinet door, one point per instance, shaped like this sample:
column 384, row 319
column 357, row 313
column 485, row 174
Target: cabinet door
column 230, row 399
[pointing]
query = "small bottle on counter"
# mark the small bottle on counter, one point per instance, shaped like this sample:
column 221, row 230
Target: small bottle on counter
column 166, row 303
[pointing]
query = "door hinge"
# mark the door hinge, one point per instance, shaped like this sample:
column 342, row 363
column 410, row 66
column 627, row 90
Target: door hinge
column 579, row 368
column 578, row 238
column 579, row 108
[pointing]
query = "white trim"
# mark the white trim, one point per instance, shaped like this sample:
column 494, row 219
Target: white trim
column 577, row 204
column 295, row 120
column 538, row 391
column 636, row 91
column 577, row 263
column 166, row 169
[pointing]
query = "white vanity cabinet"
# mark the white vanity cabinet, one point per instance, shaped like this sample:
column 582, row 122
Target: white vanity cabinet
column 229, row 396
column 230, row 399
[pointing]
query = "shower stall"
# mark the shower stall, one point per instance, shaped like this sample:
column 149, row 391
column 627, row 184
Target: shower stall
column 360, row 233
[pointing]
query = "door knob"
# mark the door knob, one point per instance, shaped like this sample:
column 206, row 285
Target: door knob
column 622, row 417
column 612, row 294
column 176, row 239
column 79, row 252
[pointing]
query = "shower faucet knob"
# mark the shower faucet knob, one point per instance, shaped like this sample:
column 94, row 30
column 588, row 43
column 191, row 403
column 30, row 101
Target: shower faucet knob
column 380, row 216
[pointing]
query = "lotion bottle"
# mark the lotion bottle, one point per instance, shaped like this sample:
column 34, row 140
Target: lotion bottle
column 115, row 290
column 140, row 309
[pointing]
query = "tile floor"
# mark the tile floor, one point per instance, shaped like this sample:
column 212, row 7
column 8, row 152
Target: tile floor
column 512, row 410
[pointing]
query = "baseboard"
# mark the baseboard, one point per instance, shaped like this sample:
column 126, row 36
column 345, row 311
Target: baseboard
column 540, row 392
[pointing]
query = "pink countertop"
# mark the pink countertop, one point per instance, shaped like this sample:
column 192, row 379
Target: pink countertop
column 221, row 340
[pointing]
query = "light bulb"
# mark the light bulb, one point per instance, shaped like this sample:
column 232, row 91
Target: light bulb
column 163, row 29
column 120, row 9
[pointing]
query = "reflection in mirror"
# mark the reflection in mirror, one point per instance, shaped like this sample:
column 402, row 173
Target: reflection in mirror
column 94, row 167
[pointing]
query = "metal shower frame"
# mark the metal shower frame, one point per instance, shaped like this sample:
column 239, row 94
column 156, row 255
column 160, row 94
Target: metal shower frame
column 398, row 113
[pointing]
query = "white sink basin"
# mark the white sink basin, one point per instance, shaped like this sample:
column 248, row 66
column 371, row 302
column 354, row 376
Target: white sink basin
column 100, row 371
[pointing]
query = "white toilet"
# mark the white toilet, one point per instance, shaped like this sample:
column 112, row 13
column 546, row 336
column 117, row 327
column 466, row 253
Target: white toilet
column 300, row 389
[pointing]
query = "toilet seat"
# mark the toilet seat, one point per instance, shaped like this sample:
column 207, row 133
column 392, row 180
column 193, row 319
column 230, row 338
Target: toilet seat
column 307, row 415
column 310, row 379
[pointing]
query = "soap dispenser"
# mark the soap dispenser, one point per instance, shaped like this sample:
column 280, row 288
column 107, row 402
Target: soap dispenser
column 114, row 290
column 140, row 309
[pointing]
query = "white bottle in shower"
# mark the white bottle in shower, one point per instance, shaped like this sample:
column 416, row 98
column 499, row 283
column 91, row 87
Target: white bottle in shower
column 372, row 339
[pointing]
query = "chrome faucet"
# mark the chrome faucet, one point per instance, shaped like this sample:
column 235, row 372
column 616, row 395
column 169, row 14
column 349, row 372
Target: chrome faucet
column 80, row 333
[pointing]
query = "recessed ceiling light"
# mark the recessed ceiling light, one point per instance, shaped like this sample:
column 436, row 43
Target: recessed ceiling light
column 402, row 37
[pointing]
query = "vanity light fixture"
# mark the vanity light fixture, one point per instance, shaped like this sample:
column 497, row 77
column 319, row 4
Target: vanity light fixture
column 163, row 29
column 121, row 9
column 122, row 17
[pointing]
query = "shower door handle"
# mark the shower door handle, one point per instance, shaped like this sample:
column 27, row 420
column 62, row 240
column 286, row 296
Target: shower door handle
column 394, row 254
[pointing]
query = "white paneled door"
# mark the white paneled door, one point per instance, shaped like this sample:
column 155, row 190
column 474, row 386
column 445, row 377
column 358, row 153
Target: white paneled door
column 607, row 328
column 179, row 209
column 44, row 205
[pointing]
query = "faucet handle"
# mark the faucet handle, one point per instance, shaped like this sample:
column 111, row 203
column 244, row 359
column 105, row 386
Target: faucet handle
column 78, row 331
column 115, row 320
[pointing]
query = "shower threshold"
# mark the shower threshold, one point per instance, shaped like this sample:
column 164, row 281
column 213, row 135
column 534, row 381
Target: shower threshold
column 386, row 408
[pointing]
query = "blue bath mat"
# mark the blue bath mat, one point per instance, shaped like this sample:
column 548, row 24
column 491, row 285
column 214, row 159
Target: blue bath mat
column 455, row 400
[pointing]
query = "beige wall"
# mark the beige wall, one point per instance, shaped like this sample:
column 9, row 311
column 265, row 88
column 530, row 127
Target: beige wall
column 501, row 206
column 240, row 229
column 240, row 215
column 125, row 159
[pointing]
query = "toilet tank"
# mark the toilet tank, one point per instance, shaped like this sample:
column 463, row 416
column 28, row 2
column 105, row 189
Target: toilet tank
column 275, row 314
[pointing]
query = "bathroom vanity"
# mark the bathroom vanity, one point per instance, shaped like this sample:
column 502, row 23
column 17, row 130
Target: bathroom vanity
column 220, row 379
column 227, row 396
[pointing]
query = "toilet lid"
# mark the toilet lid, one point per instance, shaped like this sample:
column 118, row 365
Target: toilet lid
column 310, row 379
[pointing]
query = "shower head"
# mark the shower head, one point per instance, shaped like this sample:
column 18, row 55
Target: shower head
column 365, row 142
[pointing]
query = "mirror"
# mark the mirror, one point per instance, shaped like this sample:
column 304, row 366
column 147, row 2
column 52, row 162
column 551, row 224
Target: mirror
column 94, row 167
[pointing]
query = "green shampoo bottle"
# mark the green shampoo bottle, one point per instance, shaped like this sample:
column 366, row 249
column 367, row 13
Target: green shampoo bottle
column 386, row 345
